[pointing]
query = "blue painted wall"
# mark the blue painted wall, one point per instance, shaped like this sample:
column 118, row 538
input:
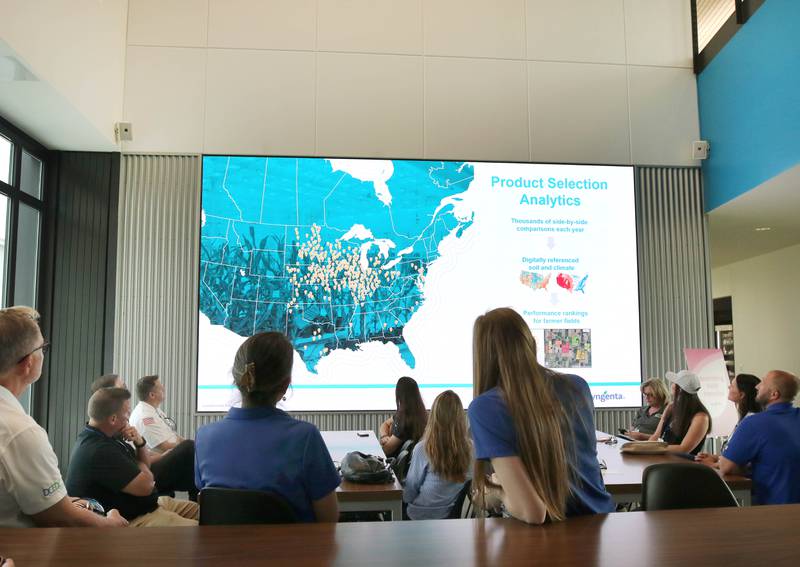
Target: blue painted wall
column 749, row 98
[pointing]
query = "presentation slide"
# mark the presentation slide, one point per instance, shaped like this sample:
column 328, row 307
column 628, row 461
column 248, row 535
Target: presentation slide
column 377, row 269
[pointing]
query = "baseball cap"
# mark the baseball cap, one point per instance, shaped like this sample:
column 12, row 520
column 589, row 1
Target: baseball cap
column 686, row 381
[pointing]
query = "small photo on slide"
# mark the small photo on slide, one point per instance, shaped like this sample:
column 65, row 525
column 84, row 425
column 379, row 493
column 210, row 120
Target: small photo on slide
column 568, row 348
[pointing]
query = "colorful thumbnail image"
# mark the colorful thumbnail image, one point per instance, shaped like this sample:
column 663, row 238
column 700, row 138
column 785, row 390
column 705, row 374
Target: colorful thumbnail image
column 568, row 348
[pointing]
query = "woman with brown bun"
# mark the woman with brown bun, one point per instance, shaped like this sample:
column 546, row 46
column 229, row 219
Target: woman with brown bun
column 534, row 426
column 260, row 447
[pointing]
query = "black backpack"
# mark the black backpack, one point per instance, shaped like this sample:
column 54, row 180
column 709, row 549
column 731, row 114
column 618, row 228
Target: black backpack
column 363, row 468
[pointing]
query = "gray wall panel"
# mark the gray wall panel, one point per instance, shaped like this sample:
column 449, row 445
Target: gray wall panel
column 87, row 183
column 156, row 318
column 673, row 267
column 156, row 309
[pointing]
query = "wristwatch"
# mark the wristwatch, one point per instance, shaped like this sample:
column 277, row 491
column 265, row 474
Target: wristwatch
column 140, row 446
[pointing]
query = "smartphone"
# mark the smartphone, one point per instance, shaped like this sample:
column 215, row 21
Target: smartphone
column 622, row 431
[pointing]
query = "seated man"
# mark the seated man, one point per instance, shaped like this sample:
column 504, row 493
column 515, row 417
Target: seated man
column 31, row 490
column 173, row 469
column 108, row 381
column 769, row 442
column 107, row 469
column 172, row 456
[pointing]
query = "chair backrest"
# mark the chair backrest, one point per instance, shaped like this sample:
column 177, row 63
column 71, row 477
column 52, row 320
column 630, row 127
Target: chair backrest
column 402, row 461
column 677, row 486
column 457, row 510
column 230, row 506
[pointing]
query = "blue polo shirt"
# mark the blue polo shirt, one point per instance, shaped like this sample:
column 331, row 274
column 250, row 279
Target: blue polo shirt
column 494, row 436
column 266, row 449
column 770, row 442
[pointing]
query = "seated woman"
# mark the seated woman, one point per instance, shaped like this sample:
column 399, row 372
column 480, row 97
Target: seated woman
column 441, row 461
column 260, row 447
column 409, row 420
column 686, row 421
column 535, row 427
column 647, row 418
column 742, row 392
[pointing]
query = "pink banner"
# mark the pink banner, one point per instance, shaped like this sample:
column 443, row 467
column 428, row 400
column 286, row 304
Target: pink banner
column 709, row 365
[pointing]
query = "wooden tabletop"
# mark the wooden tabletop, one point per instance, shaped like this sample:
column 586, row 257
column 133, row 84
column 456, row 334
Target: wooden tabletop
column 624, row 472
column 721, row 536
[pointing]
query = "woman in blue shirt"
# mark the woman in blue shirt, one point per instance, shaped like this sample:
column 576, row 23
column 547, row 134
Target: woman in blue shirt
column 260, row 447
column 535, row 426
column 440, row 463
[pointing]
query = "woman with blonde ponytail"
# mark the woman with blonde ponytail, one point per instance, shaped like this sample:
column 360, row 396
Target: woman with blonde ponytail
column 260, row 447
column 535, row 427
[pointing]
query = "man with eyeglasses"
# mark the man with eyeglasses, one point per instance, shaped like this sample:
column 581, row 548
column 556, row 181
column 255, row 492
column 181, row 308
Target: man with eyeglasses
column 32, row 492
column 173, row 464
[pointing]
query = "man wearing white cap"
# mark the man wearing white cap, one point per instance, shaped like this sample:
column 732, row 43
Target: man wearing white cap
column 686, row 421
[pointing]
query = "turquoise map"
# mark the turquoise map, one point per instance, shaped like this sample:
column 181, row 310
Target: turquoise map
column 301, row 246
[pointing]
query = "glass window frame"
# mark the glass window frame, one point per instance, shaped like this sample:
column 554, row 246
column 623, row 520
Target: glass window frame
column 16, row 196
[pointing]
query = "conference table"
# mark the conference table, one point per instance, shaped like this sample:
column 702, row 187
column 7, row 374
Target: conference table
column 712, row 536
column 356, row 497
column 623, row 472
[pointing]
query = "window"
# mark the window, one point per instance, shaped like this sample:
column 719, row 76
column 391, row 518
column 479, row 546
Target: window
column 31, row 177
column 3, row 247
column 22, row 172
column 26, row 274
column 5, row 159
column 23, row 167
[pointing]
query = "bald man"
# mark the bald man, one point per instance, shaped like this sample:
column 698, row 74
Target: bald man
column 769, row 442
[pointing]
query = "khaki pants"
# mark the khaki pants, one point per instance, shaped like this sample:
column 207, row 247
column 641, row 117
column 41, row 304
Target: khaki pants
column 170, row 512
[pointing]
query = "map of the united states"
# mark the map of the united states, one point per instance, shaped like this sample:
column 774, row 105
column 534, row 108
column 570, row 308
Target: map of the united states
column 331, row 258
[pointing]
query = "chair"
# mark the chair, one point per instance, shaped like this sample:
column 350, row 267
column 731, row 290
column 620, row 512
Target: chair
column 678, row 486
column 230, row 506
column 457, row 510
column 402, row 461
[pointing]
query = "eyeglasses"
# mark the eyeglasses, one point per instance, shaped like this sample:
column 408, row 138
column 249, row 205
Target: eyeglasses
column 44, row 347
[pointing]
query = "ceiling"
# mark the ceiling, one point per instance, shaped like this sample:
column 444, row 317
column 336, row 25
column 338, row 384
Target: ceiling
column 39, row 110
column 774, row 204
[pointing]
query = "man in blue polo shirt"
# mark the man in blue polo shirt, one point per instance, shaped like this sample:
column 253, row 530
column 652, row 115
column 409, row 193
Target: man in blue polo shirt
column 769, row 442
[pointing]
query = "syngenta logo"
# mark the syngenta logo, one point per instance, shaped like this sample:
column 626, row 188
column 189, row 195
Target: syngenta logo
column 605, row 397
column 50, row 490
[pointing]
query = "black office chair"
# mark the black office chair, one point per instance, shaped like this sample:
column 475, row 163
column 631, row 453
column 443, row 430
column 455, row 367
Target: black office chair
column 402, row 462
column 457, row 510
column 678, row 486
column 229, row 506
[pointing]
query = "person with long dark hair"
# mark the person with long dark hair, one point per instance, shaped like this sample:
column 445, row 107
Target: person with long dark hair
column 409, row 420
column 742, row 392
column 260, row 447
column 686, row 421
column 533, row 425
